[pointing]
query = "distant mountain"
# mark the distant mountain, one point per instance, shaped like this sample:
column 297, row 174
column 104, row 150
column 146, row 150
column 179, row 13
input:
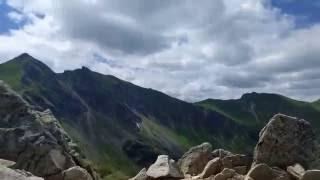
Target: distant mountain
column 254, row 109
column 120, row 126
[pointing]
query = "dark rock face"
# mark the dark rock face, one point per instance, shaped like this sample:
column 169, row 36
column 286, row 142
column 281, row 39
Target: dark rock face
column 35, row 140
column 195, row 160
column 285, row 141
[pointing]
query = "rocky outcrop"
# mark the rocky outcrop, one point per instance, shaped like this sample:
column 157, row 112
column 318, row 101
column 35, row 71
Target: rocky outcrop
column 194, row 160
column 296, row 171
column 76, row 173
column 213, row 167
column 164, row 167
column 35, row 140
column 285, row 141
column 311, row 175
column 12, row 174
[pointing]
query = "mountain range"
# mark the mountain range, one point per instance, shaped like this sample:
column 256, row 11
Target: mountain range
column 122, row 127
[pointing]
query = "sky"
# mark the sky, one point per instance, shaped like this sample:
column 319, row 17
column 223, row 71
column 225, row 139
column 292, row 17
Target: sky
column 192, row 50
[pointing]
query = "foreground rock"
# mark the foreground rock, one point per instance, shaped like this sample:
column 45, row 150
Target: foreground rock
column 296, row 171
column 213, row 167
column 285, row 141
column 35, row 140
column 264, row 172
column 11, row 174
column 311, row 175
column 164, row 168
column 194, row 160
column 76, row 173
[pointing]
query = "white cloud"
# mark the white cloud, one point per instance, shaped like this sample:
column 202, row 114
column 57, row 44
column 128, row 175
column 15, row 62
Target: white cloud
column 15, row 16
column 189, row 49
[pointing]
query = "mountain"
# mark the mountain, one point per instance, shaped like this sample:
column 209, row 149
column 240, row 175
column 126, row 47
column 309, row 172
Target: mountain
column 119, row 126
column 254, row 109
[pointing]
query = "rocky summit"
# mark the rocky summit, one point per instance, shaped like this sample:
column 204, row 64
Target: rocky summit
column 33, row 143
column 287, row 149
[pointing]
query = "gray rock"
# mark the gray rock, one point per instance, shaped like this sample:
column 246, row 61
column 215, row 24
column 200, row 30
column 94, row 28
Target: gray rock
column 164, row 168
column 213, row 167
column 264, row 172
column 6, row 163
column 260, row 172
column 194, row 160
column 11, row 174
column 228, row 174
column 236, row 160
column 284, row 141
column 311, row 175
column 34, row 139
column 142, row 175
column 221, row 153
column 296, row 171
column 76, row 173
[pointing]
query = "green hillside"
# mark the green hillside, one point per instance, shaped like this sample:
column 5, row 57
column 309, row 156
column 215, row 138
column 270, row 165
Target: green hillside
column 121, row 127
column 255, row 109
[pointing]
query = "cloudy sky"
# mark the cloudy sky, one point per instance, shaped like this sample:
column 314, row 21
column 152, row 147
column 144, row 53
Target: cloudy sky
column 190, row 49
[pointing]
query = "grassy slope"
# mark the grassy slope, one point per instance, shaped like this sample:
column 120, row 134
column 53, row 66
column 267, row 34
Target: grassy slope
column 167, row 124
column 254, row 109
column 112, row 105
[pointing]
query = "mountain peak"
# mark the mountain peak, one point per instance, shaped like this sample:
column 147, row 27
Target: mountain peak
column 24, row 55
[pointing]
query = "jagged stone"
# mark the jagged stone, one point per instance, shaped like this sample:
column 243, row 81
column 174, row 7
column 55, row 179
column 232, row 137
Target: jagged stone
column 311, row 175
column 142, row 175
column 7, row 163
column 264, row 172
column 296, row 171
column 228, row 174
column 221, row 153
column 213, row 167
column 194, row 160
column 284, row 141
column 76, row 173
column 260, row 172
column 164, row 168
column 35, row 140
column 11, row 174
column 236, row 160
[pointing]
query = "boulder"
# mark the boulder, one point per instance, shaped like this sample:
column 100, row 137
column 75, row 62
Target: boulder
column 142, row 175
column 296, row 171
column 221, row 153
column 76, row 173
column 264, row 172
column 34, row 139
column 284, row 141
column 164, row 168
column 260, row 172
column 11, row 174
column 236, row 160
column 311, row 175
column 228, row 174
column 194, row 160
column 212, row 168
column 6, row 163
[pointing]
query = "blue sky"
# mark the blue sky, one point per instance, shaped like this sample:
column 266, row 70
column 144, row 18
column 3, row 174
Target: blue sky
column 6, row 22
column 307, row 12
column 192, row 50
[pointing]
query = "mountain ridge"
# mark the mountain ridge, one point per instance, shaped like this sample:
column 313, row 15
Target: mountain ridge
column 120, row 126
